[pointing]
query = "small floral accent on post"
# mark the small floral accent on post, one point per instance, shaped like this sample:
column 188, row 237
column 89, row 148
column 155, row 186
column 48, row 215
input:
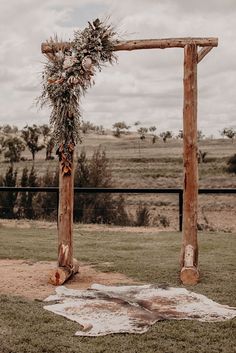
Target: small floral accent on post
column 67, row 75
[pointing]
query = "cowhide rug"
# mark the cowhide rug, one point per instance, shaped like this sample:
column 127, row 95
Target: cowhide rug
column 103, row 310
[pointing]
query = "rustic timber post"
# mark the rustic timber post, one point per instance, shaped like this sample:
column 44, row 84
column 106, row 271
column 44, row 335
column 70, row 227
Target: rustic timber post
column 189, row 253
column 67, row 265
column 65, row 218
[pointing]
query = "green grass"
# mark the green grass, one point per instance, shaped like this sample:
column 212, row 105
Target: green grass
column 26, row 328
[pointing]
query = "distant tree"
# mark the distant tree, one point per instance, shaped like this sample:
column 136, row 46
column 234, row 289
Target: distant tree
column 8, row 198
column 180, row 134
column 100, row 130
column 45, row 131
column 166, row 135
column 201, row 156
column 86, row 127
column 13, row 146
column 33, row 182
column 152, row 129
column 31, row 135
column 23, row 196
column 97, row 208
column 143, row 216
column 200, row 135
column 228, row 132
column 142, row 131
column 26, row 207
column 49, row 149
column 119, row 128
column 47, row 140
column 232, row 164
column 48, row 201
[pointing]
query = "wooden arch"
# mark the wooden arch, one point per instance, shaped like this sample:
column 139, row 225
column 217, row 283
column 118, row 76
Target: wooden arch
column 189, row 252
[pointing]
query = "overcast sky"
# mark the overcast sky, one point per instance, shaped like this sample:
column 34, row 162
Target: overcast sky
column 144, row 85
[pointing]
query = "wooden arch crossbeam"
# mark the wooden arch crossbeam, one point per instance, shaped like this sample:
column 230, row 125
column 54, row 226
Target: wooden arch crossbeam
column 189, row 252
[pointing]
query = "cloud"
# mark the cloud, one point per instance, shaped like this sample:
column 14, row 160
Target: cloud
column 144, row 85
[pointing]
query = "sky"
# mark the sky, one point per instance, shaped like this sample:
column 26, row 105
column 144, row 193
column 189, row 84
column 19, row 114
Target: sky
column 144, row 85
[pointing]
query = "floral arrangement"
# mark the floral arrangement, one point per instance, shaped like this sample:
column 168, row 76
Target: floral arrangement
column 67, row 75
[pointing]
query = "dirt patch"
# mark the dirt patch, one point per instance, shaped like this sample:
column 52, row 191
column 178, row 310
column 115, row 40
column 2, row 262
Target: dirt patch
column 30, row 279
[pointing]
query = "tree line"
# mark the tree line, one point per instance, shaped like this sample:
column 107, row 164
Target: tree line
column 13, row 141
column 35, row 138
column 88, row 208
column 120, row 128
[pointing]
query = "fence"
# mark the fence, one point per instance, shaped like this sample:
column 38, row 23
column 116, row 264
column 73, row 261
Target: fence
column 177, row 191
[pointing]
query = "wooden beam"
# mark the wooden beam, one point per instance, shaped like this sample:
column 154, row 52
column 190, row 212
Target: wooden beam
column 202, row 53
column 189, row 252
column 47, row 48
column 165, row 43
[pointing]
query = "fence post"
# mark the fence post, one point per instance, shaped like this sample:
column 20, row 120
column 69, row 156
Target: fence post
column 57, row 205
column 180, row 210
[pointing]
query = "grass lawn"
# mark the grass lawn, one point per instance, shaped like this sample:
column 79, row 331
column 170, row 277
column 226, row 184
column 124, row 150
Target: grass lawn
column 26, row 328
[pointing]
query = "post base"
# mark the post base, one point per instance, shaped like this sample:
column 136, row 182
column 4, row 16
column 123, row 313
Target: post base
column 189, row 275
column 60, row 275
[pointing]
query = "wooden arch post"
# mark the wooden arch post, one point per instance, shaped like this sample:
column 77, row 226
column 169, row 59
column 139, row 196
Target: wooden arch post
column 189, row 252
column 67, row 265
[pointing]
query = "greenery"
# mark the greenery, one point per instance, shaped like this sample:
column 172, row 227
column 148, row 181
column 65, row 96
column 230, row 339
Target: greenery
column 13, row 147
column 25, row 327
column 31, row 135
column 8, row 199
column 142, row 131
column 228, row 132
column 26, row 203
column 88, row 208
column 142, row 216
column 97, row 208
column 120, row 128
column 232, row 164
column 166, row 135
column 136, row 163
column 47, row 140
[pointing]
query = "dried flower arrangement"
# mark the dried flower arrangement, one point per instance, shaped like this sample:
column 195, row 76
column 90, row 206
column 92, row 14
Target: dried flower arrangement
column 67, row 75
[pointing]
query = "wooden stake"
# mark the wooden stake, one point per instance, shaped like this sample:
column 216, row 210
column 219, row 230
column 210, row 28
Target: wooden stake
column 189, row 253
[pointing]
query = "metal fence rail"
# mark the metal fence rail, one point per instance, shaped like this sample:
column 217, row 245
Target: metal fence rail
column 177, row 191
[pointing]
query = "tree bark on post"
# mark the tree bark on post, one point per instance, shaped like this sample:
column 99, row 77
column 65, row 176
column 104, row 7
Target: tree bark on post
column 189, row 252
column 65, row 218
column 67, row 265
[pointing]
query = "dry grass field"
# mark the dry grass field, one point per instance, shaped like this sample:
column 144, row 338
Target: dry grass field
column 135, row 163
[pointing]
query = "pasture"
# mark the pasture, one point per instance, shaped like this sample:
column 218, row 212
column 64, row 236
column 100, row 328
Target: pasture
column 143, row 254
column 135, row 163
